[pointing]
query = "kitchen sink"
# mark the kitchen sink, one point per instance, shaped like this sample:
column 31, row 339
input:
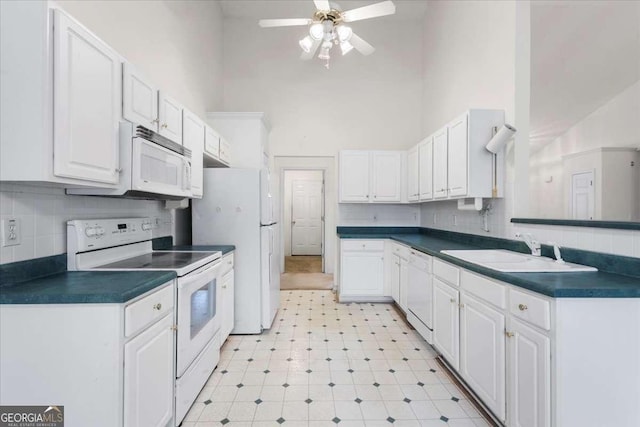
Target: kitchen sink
column 516, row 262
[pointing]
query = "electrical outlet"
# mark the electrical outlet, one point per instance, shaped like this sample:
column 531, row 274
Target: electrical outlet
column 11, row 232
column 454, row 220
column 435, row 218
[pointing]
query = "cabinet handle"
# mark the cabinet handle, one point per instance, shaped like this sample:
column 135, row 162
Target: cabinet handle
column 522, row 307
column 375, row 197
column 174, row 328
column 229, row 262
column 461, row 305
column 367, row 196
column 164, row 126
column 509, row 334
column 157, row 306
column 224, row 286
column 155, row 121
column 452, row 300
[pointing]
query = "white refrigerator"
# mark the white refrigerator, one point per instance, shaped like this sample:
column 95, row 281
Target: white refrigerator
column 237, row 209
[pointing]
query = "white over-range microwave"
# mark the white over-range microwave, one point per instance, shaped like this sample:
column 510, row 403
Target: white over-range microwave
column 151, row 167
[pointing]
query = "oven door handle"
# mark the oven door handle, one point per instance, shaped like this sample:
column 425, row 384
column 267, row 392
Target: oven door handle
column 210, row 273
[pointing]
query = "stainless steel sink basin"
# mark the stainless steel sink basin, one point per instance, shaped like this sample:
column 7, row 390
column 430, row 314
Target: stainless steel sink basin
column 516, row 262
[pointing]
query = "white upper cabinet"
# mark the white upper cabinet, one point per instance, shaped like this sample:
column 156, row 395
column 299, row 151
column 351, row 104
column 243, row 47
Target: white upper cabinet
column 211, row 142
column 371, row 176
column 457, row 161
column 193, row 139
column 425, row 167
column 413, row 175
column 354, row 176
column 169, row 117
column 440, row 164
column 139, row 98
column 86, row 107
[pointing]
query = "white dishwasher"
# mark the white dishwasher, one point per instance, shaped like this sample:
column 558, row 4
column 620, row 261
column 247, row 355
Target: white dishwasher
column 420, row 288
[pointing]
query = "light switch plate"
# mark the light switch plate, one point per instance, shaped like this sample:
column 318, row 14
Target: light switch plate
column 11, row 232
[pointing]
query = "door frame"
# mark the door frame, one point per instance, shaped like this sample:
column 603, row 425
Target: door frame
column 322, row 210
column 330, row 203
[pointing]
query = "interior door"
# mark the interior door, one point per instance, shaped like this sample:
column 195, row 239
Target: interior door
column 306, row 217
column 440, row 164
column 582, row 195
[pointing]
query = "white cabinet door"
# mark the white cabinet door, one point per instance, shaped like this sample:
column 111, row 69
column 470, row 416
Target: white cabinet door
column 457, row 157
column 482, row 352
column 87, row 104
column 149, row 376
column 228, row 299
column 446, row 326
column 440, row 164
column 193, row 139
column 170, row 117
column 404, row 281
column 386, row 179
column 413, row 177
column 139, row 98
column 354, row 176
column 362, row 273
column 425, row 167
column 211, row 142
column 529, row 376
column 395, row 277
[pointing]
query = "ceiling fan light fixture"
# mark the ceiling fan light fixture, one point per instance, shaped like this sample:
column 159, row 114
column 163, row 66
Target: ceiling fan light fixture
column 324, row 54
column 344, row 33
column 306, row 43
column 345, row 47
column 316, row 31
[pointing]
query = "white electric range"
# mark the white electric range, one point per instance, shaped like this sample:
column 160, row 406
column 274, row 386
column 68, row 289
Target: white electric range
column 125, row 244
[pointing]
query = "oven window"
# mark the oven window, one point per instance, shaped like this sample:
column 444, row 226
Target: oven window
column 203, row 307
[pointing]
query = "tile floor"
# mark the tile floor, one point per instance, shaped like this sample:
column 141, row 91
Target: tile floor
column 327, row 364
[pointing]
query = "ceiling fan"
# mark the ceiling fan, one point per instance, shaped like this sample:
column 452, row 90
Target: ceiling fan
column 327, row 28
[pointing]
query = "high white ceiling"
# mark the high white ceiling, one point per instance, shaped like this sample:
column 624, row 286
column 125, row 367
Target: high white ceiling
column 267, row 9
column 583, row 53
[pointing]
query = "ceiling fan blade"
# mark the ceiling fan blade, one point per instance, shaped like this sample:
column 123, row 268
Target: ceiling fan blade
column 360, row 45
column 372, row 11
column 268, row 23
column 322, row 4
column 314, row 47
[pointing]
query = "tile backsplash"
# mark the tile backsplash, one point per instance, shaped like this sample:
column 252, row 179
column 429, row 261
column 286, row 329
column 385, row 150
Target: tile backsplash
column 365, row 214
column 445, row 215
column 43, row 212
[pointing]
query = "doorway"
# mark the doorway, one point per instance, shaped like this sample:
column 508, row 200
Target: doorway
column 582, row 195
column 303, row 229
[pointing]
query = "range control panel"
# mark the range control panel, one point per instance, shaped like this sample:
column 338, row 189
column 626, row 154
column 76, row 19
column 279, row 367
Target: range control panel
column 91, row 234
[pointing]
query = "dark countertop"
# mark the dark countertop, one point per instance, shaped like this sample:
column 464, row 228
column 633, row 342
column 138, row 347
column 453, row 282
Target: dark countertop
column 84, row 287
column 558, row 285
column 225, row 249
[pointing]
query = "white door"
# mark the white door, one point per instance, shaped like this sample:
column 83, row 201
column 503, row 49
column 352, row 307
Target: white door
column 306, row 217
column 529, row 376
column 582, row 195
column 386, row 176
column 362, row 273
column 149, row 376
column 87, row 104
column 170, row 117
column 425, row 154
column 413, row 177
column 457, row 157
column 482, row 352
column 354, row 176
column 446, row 330
column 440, row 164
column 193, row 139
column 139, row 98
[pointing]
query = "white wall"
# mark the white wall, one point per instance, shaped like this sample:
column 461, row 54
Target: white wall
column 289, row 177
column 614, row 124
column 470, row 60
column 180, row 50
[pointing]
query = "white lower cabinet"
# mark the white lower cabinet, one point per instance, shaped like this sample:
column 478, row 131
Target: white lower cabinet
column 228, row 304
column 482, row 352
column 149, row 376
column 446, row 322
column 361, row 268
column 529, row 376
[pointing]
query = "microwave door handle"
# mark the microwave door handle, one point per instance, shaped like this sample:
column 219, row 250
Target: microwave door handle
column 188, row 174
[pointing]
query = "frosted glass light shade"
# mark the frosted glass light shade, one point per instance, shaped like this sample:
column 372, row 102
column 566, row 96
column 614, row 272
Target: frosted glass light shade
column 306, row 44
column 344, row 33
column 316, row 31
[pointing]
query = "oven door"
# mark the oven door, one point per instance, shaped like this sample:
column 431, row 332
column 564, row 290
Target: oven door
column 197, row 318
column 155, row 169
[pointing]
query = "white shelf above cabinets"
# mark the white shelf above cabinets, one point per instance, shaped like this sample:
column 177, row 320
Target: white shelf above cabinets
column 371, row 176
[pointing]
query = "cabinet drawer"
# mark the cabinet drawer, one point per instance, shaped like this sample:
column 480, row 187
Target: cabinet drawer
column 227, row 264
column 420, row 261
column 446, row 272
column 363, row 245
column 530, row 308
column 484, row 288
column 147, row 310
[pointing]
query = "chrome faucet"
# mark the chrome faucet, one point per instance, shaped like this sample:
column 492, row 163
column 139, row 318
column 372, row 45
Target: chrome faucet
column 533, row 244
column 556, row 252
